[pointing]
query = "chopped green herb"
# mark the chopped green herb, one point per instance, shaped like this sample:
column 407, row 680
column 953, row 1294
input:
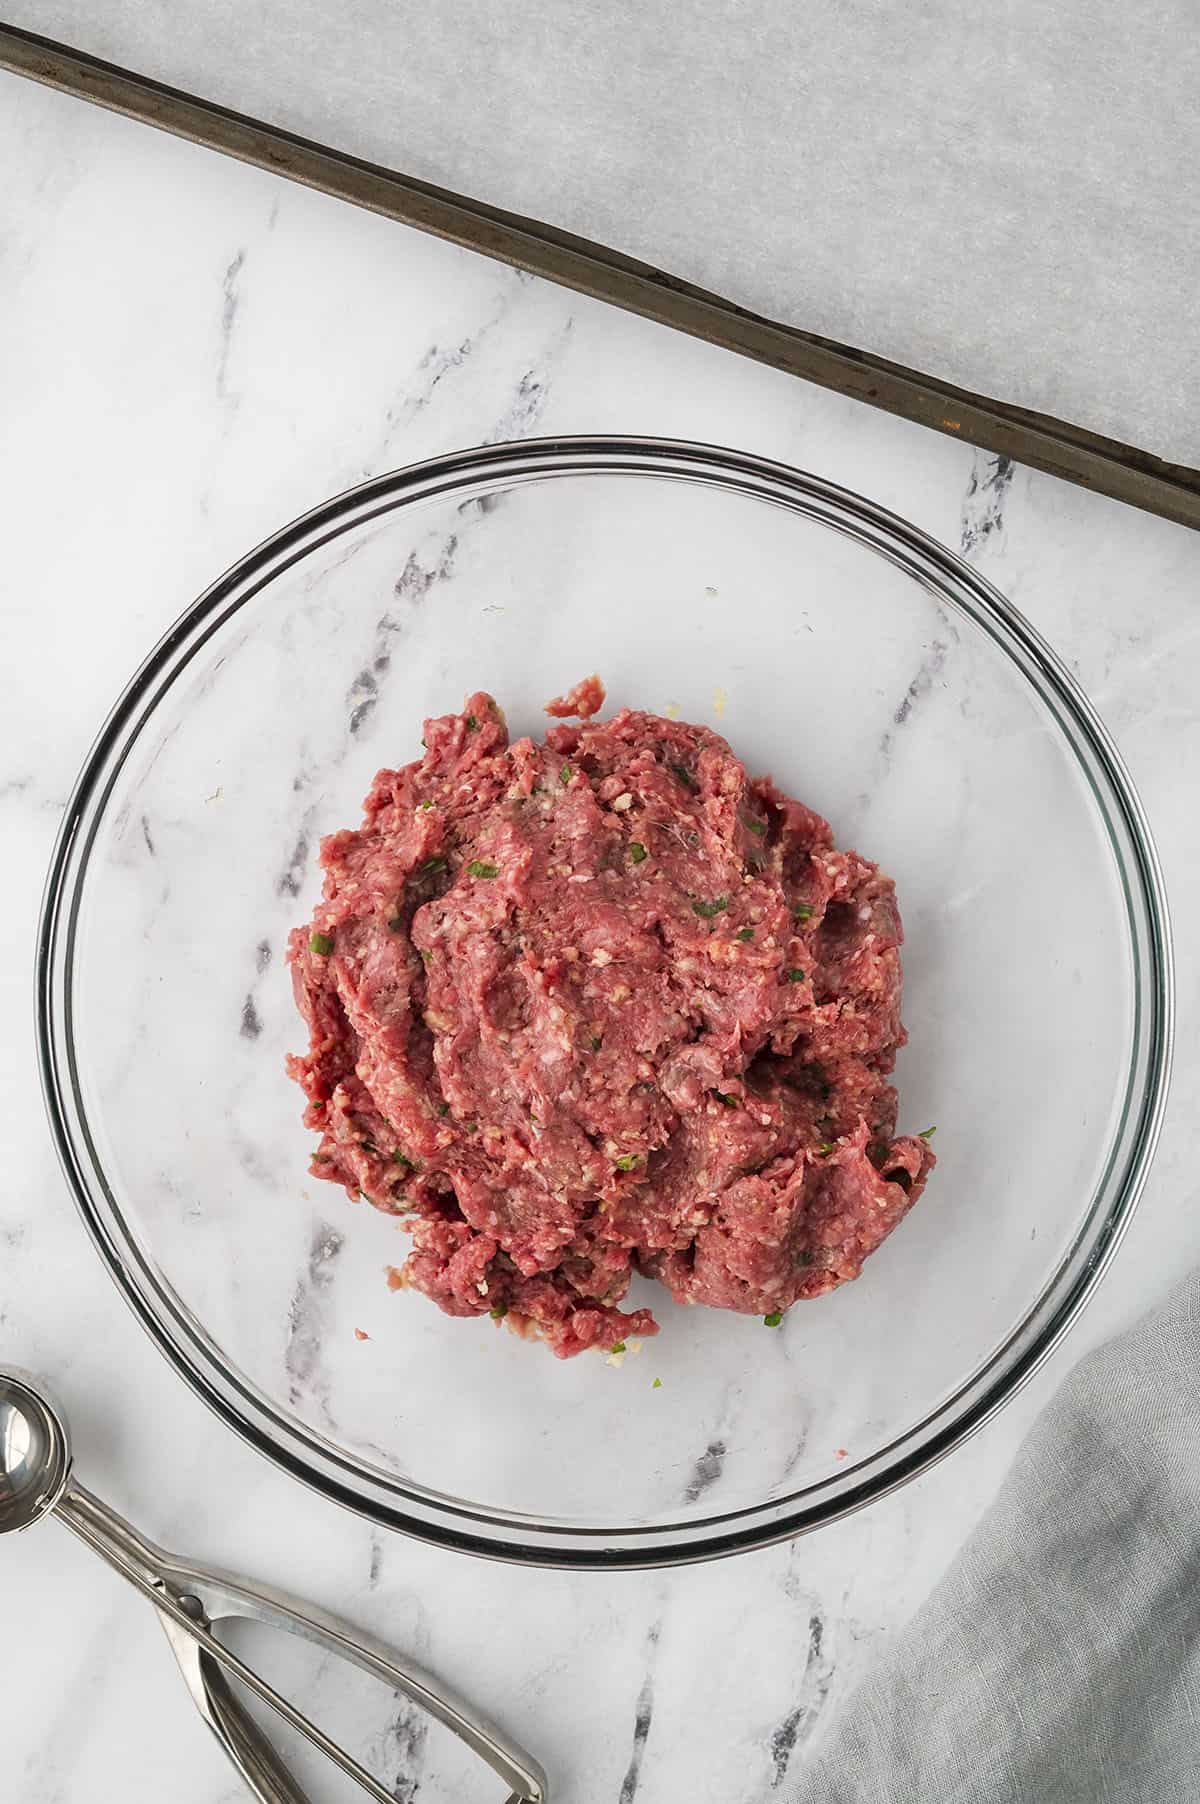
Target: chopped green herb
column 403, row 1160
column 535, row 789
column 498, row 1312
column 825, row 1146
column 745, row 933
column 731, row 1102
column 395, row 924
column 321, row 944
column 637, row 851
column 322, row 1158
column 794, row 974
column 619, row 1348
column 803, row 911
column 477, row 868
column 657, row 1385
column 472, row 723
column 443, row 1108
column 773, row 1320
column 431, row 867
column 470, row 1127
column 759, row 827
column 427, row 803
column 564, row 775
column 597, row 1042
column 685, row 777
column 927, row 1133
column 627, row 1161
column 423, row 955
column 706, row 910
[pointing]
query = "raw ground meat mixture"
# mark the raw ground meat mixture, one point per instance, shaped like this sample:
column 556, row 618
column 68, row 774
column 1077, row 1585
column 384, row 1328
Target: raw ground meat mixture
column 602, row 1006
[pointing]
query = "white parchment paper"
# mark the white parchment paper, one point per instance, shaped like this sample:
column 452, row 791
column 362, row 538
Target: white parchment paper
column 1006, row 195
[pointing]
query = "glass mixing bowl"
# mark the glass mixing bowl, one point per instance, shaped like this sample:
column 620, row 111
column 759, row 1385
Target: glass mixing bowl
column 874, row 675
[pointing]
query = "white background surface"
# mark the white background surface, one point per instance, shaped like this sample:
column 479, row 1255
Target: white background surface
column 1006, row 196
column 192, row 354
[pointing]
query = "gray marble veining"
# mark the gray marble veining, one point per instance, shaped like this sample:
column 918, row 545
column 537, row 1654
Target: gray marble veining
column 201, row 354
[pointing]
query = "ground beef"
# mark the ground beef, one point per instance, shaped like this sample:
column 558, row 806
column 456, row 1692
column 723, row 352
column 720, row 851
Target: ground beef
column 604, row 1006
column 586, row 699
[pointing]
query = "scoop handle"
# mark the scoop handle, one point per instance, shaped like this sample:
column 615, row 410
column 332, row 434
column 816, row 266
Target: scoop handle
column 222, row 1595
column 243, row 1741
column 189, row 1598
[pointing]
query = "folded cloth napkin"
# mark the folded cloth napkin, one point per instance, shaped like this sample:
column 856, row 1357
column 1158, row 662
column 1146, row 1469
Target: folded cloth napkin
column 1059, row 1660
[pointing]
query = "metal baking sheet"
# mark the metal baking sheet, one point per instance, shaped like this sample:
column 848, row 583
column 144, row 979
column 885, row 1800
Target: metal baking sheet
column 1065, row 450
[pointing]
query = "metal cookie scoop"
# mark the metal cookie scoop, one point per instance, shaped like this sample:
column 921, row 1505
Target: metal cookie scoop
column 36, row 1480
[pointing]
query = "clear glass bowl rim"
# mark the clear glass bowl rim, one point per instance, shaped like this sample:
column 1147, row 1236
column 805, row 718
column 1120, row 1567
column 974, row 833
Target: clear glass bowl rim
column 317, row 1461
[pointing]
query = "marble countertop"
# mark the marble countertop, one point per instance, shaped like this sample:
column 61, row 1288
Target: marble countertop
column 195, row 352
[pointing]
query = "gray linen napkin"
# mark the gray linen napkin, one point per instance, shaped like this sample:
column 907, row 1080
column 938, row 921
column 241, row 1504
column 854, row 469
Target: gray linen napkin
column 1059, row 1660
